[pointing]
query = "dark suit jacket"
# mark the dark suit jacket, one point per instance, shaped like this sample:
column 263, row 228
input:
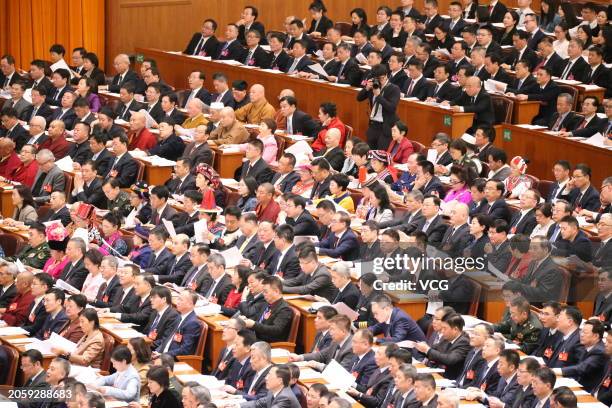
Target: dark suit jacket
column 6, row 298
column 420, row 89
column 161, row 264
column 387, row 101
column 556, row 64
column 375, row 391
column 569, row 122
column 487, row 378
column 274, row 323
column 69, row 117
column 542, row 283
column 39, row 316
column 164, row 329
column 105, row 297
column 280, row 62
column 257, row 389
column 450, row 356
column 140, row 316
column 184, row 339
column 260, row 171
column 304, row 225
column 579, row 71
column 547, row 343
column 529, row 85
column 252, row 249
column 523, row 225
column 499, row 209
column 590, row 368
column 80, row 153
column 346, row 248
column 594, row 125
column 497, row 14
column 129, row 76
column 304, row 62
column 44, row 110
column 473, row 363
column 429, row 66
column 335, row 157
column 349, row 73
column 401, row 327
column 56, row 100
column 235, row 51
column 455, row 241
column 446, row 92
column 176, row 186
column 104, row 162
column 220, row 292
column 568, row 353
column 435, row 231
column 253, row 307
column 199, row 154
column 529, row 55
column 257, row 26
column 76, row 275
column 287, row 183
column 318, row 282
column 601, row 77
column 130, row 304
column 349, row 296
column 289, row 266
column 260, row 58
column 52, row 325
column 548, row 98
column 589, row 200
column 211, row 47
column 363, row 368
column 239, row 373
column 18, row 135
column 482, row 108
column 126, row 169
column 399, row 79
column 169, row 213
column 177, row 270
column 303, row 123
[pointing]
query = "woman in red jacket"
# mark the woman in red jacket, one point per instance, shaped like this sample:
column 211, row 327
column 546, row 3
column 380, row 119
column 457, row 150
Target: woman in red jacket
column 400, row 147
column 238, row 293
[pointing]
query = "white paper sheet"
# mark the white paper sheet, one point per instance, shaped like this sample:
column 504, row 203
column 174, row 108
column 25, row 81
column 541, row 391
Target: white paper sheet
column 169, row 227
column 63, row 343
column 60, row 284
column 65, row 164
column 86, row 375
column 361, row 58
column 200, row 229
column 279, row 352
column 210, row 309
column 232, row 257
column 318, row 69
column 342, row 308
column 432, row 155
column 12, row 331
column 492, row 85
column 337, row 376
column 596, row 140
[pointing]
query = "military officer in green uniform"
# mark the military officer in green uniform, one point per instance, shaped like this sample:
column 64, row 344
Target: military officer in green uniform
column 36, row 253
column 117, row 201
column 524, row 326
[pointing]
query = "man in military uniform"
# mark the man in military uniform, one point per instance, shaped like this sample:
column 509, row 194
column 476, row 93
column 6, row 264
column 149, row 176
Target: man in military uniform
column 523, row 328
column 117, row 201
column 36, row 253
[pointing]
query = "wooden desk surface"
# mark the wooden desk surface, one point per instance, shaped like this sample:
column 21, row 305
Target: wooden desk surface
column 423, row 121
column 544, row 150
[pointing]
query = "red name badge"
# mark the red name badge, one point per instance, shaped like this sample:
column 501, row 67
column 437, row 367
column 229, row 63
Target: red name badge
column 280, row 274
column 548, row 352
column 563, row 356
column 114, row 173
column 513, row 230
column 105, row 298
column 483, row 386
column 213, row 299
column 178, row 337
column 369, row 391
column 267, row 315
column 192, row 285
column 602, row 317
column 13, row 306
column 469, row 375
column 252, row 392
column 606, row 384
column 47, row 334
column 222, row 366
column 240, row 384
column 153, row 334
column 355, row 374
column 32, row 318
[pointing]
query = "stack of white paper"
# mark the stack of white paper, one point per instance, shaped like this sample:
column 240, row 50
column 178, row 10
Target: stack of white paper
column 232, row 257
column 200, row 229
column 279, row 352
column 128, row 333
column 86, row 375
column 337, row 376
column 65, row 164
column 138, row 154
column 12, row 331
column 210, row 309
column 60, row 284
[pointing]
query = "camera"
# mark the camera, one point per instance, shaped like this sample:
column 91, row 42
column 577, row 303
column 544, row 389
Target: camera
column 376, row 83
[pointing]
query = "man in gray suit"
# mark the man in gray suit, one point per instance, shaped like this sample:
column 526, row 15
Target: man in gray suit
column 316, row 278
column 49, row 177
column 340, row 349
column 17, row 102
column 279, row 394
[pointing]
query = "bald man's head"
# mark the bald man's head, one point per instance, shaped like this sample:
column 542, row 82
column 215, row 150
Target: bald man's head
column 257, row 93
column 472, row 86
column 228, row 117
column 138, row 121
column 459, row 214
column 286, row 92
column 37, row 125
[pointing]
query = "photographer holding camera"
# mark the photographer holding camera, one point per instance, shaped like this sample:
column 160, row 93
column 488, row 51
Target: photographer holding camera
column 383, row 97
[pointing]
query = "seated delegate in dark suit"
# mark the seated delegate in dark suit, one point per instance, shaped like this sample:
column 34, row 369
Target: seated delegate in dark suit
column 274, row 322
column 170, row 146
column 124, row 168
column 163, row 320
column 56, row 316
column 564, row 119
column 297, row 121
column 315, row 278
column 451, row 351
column 401, row 326
column 343, row 242
column 299, row 219
column 205, row 42
column 475, row 100
column 579, row 191
column 573, row 241
column 348, row 293
column 185, row 337
column 546, row 93
column 231, row 49
column 255, row 56
column 347, row 71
